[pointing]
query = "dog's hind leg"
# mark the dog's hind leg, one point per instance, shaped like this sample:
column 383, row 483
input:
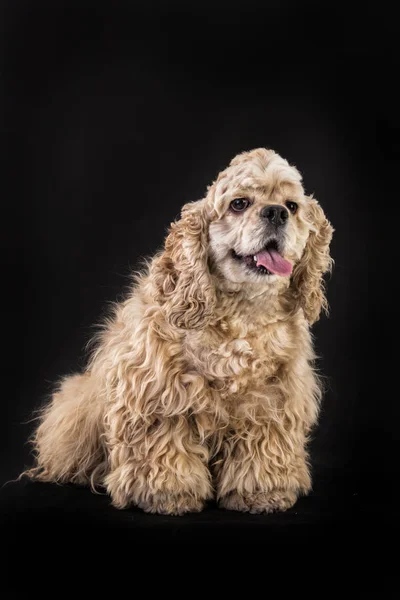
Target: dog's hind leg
column 68, row 442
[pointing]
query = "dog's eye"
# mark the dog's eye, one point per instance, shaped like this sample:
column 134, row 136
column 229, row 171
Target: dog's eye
column 292, row 206
column 239, row 204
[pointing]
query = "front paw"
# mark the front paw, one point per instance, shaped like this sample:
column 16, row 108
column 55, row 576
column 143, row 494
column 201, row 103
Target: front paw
column 259, row 502
column 171, row 504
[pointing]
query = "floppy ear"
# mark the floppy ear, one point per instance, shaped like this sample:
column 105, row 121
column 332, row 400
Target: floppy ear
column 307, row 279
column 181, row 273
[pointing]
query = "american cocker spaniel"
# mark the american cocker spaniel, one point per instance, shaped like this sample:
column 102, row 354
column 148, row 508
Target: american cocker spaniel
column 202, row 383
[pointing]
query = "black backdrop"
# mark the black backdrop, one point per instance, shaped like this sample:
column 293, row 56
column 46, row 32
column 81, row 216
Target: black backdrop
column 117, row 113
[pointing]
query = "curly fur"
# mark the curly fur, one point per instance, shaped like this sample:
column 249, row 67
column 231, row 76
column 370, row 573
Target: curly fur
column 202, row 383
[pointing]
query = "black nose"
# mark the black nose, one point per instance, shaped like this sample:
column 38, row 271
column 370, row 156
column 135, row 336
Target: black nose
column 275, row 214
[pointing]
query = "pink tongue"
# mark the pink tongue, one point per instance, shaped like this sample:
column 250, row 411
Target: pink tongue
column 274, row 262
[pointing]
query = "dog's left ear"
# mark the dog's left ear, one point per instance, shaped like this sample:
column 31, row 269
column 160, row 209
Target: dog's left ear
column 307, row 279
column 181, row 273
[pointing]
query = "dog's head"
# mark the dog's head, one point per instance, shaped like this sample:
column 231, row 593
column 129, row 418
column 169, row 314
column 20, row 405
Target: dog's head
column 257, row 228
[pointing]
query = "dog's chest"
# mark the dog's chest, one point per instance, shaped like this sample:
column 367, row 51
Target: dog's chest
column 266, row 353
column 244, row 355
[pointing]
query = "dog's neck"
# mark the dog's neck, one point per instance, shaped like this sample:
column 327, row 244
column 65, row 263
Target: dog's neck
column 270, row 300
column 250, row 291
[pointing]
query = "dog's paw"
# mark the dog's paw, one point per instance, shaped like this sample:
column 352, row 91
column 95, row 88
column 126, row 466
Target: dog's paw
column 259, row 502
column 172, row 504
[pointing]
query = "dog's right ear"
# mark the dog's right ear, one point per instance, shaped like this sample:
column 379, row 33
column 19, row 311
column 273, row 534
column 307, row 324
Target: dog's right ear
column 181, row 275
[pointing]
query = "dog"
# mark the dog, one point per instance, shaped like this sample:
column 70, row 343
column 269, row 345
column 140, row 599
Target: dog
column 202, row 384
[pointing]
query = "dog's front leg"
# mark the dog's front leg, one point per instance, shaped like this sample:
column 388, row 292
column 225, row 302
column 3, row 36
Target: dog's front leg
column 262, row 469
column 264, row 463
column 158, row 456
column 161, row 468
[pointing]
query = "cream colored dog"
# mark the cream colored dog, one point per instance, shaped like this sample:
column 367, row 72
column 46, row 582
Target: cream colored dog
column 202, row 382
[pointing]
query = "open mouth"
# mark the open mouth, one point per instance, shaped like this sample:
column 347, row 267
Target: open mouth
column 267, row 261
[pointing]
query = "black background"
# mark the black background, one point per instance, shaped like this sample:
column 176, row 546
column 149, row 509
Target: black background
column 117, row 113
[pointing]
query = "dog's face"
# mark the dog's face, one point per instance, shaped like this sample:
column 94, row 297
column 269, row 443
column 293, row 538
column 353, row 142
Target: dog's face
column 261, row 226
column 255, row 228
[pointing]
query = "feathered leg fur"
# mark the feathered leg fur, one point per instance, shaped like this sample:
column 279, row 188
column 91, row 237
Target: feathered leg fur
column 69, row 442
column 165, row 472
column 264, row 466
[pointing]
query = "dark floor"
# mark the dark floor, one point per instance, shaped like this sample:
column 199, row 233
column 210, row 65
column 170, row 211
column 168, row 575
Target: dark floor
column 337, row 508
